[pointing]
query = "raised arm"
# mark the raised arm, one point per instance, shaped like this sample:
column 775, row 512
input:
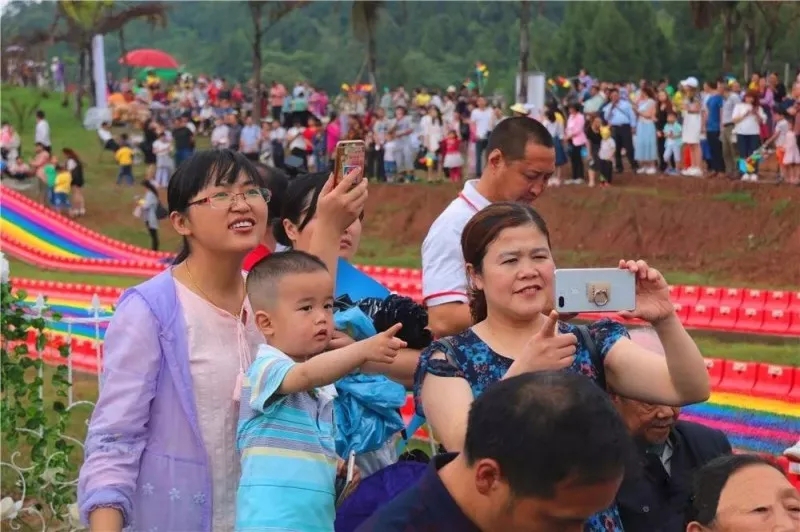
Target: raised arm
column 118, row 429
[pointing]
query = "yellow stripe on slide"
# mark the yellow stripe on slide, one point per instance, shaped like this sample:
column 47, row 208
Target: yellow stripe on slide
column 28, row 239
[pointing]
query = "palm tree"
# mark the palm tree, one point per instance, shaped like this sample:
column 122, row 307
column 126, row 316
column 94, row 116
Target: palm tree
column 524, row 49
column 77, row 22
column 703, row 15
column 365, row 16
column 275, row 12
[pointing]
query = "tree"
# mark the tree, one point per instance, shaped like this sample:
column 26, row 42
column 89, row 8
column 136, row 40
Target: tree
column 365, row 16
column 274, row 13
column 705, row 13
column 524, row 48
column 77, row 22
column 780, row 18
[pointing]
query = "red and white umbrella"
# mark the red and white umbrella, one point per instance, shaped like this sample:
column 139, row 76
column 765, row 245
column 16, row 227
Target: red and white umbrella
column 148, row 58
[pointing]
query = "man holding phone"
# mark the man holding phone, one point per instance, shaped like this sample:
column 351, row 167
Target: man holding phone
column 520, row 159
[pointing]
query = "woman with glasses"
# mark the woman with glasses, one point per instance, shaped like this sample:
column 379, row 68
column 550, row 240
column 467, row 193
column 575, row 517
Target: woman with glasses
column 160, row 450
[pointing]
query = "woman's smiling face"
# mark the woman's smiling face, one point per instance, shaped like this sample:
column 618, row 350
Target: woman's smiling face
column 517, row 273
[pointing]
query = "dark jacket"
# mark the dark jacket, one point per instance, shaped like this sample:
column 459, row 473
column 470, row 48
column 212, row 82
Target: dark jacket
column 650, row 500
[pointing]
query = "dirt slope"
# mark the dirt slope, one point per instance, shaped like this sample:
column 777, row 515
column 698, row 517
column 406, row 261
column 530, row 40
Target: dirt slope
column 748, row 233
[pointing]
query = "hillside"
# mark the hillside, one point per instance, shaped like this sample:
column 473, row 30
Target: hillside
column 437, row 43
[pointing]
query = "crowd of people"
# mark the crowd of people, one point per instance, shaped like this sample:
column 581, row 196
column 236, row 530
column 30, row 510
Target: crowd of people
column 229, row 379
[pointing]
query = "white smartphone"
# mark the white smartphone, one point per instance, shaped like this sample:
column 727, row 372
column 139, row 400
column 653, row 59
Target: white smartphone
column 594, row 290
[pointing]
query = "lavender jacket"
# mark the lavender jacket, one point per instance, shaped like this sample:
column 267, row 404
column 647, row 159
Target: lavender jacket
column 144, row 451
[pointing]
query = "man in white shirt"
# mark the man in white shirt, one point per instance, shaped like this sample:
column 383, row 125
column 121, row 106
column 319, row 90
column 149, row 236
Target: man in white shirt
column 730, row 151
column 42, row 133
column 483, row 118
column 521, row 158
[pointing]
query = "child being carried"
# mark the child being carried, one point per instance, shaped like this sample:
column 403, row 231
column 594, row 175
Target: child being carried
column 286, row 426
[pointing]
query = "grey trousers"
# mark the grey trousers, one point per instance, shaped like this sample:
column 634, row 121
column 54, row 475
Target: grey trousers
column 730, row 152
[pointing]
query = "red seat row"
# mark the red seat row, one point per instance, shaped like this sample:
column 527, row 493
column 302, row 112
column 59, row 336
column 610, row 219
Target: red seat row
column 754, row 378
column 743, row 319
column 711, row 296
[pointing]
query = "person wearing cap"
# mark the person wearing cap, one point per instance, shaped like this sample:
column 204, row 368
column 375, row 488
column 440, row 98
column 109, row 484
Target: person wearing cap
column 518, row 110
column 691, row 109
column 730, row 93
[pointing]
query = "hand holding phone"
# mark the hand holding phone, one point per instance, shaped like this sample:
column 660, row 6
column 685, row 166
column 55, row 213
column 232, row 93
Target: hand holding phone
column 347, row 480
column 651, row 302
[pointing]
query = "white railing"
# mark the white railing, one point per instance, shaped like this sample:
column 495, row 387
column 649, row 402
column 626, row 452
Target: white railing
column 18, row 510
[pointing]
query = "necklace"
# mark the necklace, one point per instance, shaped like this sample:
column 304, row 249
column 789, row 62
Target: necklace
column 203, row 292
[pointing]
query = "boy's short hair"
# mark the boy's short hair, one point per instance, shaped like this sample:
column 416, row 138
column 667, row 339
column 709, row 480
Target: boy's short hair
column 264, row 278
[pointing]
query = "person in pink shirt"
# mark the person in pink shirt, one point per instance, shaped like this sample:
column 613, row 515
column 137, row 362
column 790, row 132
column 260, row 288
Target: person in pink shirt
column 575, row 136
column 333, row 133
column 277, row 92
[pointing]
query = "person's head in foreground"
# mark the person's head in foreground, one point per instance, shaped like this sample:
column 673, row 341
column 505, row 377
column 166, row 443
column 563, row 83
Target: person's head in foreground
column 650, row 424
column 299, row 216
column 292, row 296
column 743, row 493
column 543, row 452
column 218, row 204
column 506, row 248
column 520, row 158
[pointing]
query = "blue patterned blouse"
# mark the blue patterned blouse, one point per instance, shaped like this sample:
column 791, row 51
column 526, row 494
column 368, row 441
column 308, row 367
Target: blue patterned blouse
column 480, row 367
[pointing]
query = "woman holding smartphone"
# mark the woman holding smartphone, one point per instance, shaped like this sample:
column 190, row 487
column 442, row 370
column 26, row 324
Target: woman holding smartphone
column 507, row 250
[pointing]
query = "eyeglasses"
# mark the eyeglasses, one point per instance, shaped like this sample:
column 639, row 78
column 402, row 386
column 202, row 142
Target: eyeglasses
column 223, row 200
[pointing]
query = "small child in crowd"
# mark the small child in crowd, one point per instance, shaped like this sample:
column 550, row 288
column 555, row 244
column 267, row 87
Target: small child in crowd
column 389, row 157
column 672, row 144
column 62, row 186
column 606, row 155
column 124, row 157
column 286, row 426
column 453, row 161
column 50, row 173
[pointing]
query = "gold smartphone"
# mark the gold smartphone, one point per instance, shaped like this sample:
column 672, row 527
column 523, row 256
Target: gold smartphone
column 350, row 154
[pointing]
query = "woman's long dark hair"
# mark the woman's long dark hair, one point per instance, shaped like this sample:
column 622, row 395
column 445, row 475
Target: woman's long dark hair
column 72, row 154
column 203, row 169
column 482, row 230
column 301, row 195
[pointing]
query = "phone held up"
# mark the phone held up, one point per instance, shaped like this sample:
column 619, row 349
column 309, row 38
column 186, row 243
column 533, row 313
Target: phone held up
column 350, row 154
column 594, row 290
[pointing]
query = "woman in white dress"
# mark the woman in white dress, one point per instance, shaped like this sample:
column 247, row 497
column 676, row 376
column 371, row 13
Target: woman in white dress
column 692, row 125
column 432, row 135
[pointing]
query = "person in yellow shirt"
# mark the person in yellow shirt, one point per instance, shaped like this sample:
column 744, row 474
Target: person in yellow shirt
column 124, row 157
column 61, row 189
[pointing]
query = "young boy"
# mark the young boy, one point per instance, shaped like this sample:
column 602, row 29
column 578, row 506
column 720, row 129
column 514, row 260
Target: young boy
column 606, row 156
column 61, row 189
column 286, row 427
column 389, row 154
column 50, row 173
column 124, row 157
column 672, row 144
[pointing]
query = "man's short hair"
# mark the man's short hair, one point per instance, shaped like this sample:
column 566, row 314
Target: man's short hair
column 264, row 278
column 512, row 135
column 547, row 427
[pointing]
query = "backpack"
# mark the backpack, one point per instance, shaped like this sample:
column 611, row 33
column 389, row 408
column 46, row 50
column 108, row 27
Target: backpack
column 161, row 211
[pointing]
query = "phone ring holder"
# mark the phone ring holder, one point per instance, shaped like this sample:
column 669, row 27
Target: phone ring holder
column 598, row 293
column 601, row 298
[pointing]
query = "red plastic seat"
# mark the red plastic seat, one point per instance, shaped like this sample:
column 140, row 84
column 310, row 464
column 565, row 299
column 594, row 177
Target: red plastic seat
column 794, row 301
column 682, row 311
column 794, row 323
column 715, row 368
column 794, row 394
column 773, row 380
column 732, row 297
column 688, row 295
column 777, row 300
column 750, row 319
column 699, row 317
column 754, row 298
column 776, row 322
column 674, row 292
column 709, row 296
column 738, row 377
column 723, row 318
